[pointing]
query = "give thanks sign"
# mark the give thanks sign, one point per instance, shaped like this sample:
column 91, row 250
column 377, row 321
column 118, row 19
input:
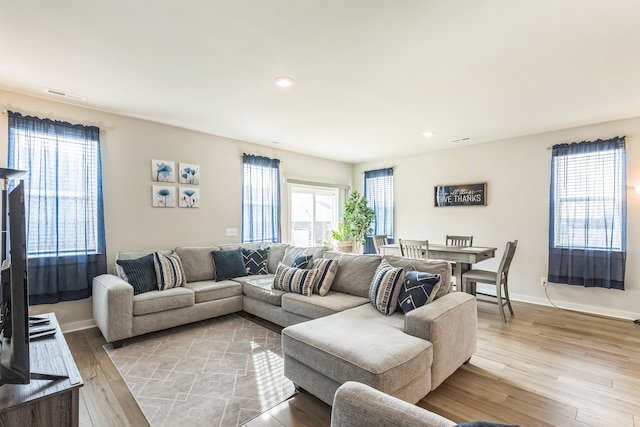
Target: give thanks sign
column 460, row 195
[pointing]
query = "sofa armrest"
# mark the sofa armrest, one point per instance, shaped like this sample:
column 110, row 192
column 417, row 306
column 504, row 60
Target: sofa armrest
column 358, row 405
column 450, row 323
column 113, row 307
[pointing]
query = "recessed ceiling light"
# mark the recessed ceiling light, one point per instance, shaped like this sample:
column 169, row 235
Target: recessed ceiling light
column 427, row 134
column 284, row 81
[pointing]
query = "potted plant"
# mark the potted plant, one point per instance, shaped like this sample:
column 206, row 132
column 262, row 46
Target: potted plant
column 343, row 237
column 355, row 223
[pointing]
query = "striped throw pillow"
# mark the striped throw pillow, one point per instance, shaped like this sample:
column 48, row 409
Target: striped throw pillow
column 169, row 273
column 385, row 287
column 291, row 279
column 327, row 269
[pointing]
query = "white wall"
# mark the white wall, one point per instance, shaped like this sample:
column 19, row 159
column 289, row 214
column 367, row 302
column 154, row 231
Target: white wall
column 517, row 173
column 128, row 145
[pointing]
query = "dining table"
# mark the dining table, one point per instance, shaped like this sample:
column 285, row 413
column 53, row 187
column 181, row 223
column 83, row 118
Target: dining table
column 463, row 257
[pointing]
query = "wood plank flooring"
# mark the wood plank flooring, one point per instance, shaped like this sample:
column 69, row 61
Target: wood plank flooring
column 544, row 367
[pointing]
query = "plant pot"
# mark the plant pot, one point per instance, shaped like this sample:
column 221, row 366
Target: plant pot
column 346, row 247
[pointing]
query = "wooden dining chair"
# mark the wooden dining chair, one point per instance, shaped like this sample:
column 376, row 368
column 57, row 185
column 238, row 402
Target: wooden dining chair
column 463, row 241
column 459, row 240
column 500, row 279
column 378, row 241
column 414, row 248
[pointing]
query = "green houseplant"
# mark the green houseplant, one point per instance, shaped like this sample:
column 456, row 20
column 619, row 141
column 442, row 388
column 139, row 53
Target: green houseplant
column 355, row 223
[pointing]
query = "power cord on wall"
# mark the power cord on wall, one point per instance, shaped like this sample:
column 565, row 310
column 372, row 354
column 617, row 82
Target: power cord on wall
column 547, row 294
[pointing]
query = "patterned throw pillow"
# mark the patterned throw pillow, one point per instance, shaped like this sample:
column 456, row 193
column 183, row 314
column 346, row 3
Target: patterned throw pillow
column 418, row 289
column 291, row 279
column 327, row 269
column 140, row 273
column 169, row 272
column 255, row 260
column 301, row 261
column 385, row 287
column 228, row 264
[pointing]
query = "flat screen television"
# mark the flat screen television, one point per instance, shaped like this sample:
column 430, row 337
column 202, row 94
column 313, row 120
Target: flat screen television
column 14, row 336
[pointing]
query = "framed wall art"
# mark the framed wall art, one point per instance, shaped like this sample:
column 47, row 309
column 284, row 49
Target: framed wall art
column 460, row 195
column 163, row 196
column 189, row 174
column 189, row 197
column 163, row 171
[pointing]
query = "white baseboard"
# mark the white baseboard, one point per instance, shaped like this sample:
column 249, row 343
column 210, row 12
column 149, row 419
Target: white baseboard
column 78, row 326
column 589, row 309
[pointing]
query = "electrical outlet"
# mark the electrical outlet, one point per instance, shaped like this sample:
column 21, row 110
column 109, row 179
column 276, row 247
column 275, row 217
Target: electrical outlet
column 543, row 282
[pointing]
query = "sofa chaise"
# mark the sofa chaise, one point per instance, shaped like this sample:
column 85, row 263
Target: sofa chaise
column 327, row 339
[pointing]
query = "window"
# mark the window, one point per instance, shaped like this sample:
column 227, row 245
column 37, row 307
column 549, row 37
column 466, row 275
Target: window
column 587, row 230
column 378, row 190
column 314, row 213
column 261, row 199
column 64, row 212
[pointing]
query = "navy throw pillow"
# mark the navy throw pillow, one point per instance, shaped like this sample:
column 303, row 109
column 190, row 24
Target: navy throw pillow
column 255, row 260
column 229, row 264
column 302, row 261
column 141, row 273
column 418, row 289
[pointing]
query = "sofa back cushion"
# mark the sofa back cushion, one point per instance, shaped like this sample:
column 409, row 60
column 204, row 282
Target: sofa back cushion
column 355, row 272
column 275, row 256
column 291, row 252
column 197, row 262
column 443, row 268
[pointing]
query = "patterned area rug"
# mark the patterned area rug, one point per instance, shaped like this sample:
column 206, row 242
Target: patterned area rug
column 219, row 372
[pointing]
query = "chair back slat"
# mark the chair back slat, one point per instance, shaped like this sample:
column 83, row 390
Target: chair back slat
column 459, row 240
column 379, row 240
column 414, row 248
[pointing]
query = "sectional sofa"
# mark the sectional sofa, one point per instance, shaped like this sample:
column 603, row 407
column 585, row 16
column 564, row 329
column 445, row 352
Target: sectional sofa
column 327, row 339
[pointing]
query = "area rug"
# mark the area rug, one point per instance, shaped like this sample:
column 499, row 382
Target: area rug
column 219, row 372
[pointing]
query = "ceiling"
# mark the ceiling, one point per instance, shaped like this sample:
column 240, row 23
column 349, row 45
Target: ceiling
column 370, row 75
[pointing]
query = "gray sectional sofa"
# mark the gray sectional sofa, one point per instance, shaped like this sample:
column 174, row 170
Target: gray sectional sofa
column 327, row 340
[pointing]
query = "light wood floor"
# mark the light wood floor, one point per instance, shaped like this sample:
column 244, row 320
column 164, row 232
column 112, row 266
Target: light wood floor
column 544, row 367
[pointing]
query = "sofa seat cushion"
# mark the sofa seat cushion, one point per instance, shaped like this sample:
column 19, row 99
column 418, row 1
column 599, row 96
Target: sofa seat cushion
column 360, row 344
column 256, row 277
column 262, row 290
column 315, row 306
column 209, row 290
column 157, row 301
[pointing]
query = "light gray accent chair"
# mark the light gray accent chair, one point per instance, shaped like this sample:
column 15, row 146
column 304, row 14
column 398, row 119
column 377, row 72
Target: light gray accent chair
column 358, row 405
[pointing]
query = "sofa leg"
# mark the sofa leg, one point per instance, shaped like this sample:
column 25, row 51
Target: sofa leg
column 117, row 344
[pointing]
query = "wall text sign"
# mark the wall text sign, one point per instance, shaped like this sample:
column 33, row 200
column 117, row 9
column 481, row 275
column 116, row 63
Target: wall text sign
column 460, row 195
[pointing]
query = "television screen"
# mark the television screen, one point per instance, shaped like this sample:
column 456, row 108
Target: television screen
column 14, row 350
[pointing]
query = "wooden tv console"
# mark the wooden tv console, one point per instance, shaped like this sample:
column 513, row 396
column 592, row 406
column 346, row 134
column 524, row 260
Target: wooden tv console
column 45, row 402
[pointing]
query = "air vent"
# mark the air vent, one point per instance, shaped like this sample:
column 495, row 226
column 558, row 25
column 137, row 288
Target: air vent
column 64, row 94
column 467, row 139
